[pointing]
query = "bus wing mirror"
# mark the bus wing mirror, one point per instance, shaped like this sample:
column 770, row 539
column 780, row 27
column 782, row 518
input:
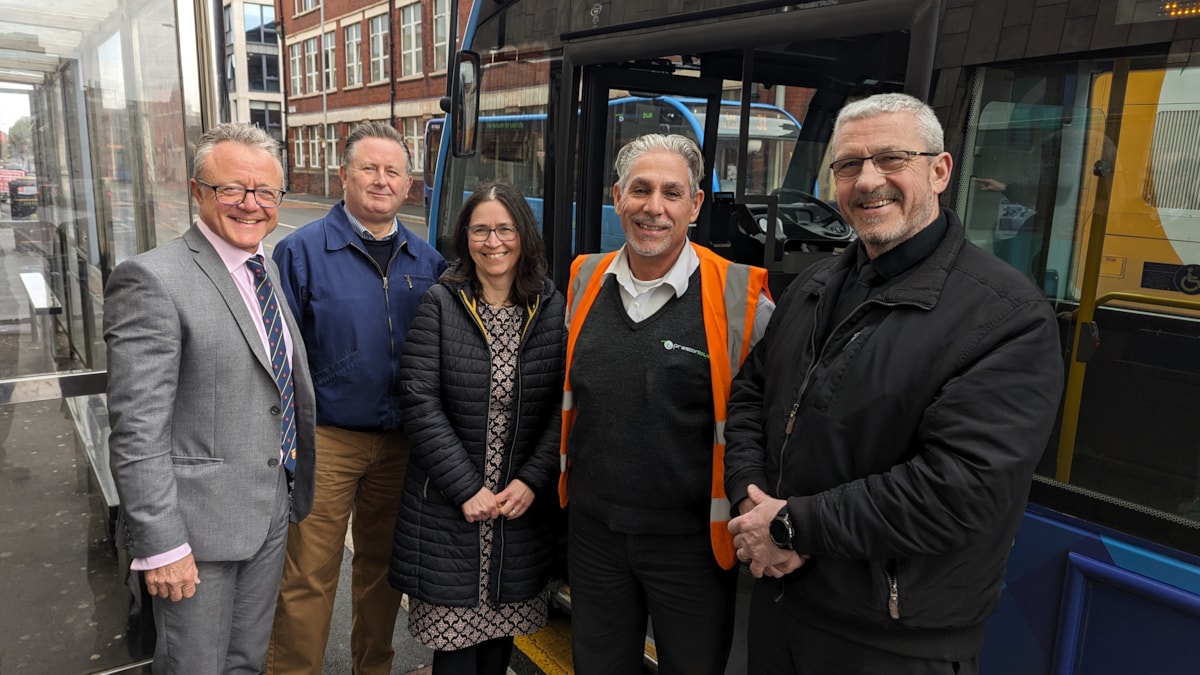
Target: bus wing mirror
column 464, row 99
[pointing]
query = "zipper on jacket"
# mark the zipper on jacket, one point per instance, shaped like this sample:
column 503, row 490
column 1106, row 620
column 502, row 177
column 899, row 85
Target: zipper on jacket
column 892, row 575
column 408, row 278
column 818, row 354
column 479, row 599
column 387, row 300
column 791, row 421
column 852, row 339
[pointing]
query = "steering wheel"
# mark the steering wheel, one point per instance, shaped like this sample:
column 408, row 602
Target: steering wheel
column 825, row 214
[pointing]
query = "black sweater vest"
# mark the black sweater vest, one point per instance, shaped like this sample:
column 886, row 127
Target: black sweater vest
column 641, row 445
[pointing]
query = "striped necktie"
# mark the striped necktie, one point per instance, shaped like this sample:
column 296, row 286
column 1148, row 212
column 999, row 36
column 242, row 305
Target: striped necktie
column 273, row 321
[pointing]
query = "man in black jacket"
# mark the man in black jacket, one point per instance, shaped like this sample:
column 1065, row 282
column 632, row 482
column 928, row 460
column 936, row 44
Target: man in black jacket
column 883, row 434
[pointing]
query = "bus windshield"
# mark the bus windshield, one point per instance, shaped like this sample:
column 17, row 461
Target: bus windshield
column 772, row 139
column 512, row 148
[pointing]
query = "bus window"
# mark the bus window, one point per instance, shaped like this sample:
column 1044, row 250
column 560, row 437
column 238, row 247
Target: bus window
column 1032, row 189
column 771, row 141
column 433, row 145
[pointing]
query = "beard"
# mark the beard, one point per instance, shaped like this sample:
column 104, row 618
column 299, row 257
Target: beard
column 648, row 248
column 885, row 232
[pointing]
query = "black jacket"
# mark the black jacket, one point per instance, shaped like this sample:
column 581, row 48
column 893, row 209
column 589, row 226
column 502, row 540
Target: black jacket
column 918, row 424
column 445, row 380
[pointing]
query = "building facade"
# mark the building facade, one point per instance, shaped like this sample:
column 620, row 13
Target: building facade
column 345, row 62
column 253, row 87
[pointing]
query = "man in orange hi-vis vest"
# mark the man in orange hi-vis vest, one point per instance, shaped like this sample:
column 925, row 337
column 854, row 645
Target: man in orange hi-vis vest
column 656, row 332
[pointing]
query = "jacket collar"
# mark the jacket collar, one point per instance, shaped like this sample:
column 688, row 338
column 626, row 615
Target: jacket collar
column 464, row 290
column 339, row 233
column 922, row 286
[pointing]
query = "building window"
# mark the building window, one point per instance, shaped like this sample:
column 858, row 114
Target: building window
column 314, row 148
column 441, row 34
column 353, row 54
column 329, row 51
column 260, row 23
column 312, row 73
column 410, row 40
column 331, row 154
column 262, row 70
column 414, row 136
column 230, row 75
column 296, row 63
column 379, row 48
column 268, row 116
column 228, row 26
column 305, row 5
column 298, row 147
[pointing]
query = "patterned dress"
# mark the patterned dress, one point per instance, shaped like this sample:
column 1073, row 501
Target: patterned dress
column 450, row 628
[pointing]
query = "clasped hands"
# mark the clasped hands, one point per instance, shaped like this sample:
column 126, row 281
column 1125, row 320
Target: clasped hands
column 752, row 536
column 510, row 502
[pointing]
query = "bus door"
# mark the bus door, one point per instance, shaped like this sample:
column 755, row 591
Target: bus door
column 606, row 127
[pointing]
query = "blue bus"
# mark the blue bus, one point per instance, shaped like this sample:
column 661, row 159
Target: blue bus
column 1087, row 118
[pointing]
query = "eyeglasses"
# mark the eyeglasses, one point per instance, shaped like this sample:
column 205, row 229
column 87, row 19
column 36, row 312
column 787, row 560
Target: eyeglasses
column 885, row 162
column 482, row 232
column 233, row 195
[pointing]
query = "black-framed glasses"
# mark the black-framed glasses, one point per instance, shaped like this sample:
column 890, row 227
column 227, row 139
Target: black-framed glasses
column 482, row 232
column 233, row 195
column 890, row 161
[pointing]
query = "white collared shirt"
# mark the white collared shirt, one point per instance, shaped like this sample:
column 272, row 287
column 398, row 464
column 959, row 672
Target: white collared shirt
column 643, row 298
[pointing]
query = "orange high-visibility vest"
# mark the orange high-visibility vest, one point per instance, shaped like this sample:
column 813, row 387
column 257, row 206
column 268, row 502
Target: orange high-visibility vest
column 729, row 296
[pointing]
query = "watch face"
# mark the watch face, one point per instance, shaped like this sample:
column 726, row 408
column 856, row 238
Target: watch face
column 781, row 532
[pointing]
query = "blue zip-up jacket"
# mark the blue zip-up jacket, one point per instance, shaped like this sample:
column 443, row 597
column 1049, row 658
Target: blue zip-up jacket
column 353, row 317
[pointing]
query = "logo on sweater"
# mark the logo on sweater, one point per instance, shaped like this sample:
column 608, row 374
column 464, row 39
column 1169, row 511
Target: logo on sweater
column 668, row 345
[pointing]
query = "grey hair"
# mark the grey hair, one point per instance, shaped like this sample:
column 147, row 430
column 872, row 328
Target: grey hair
column 375, row 129
column 680, row 145
column 928, row 127
column 234, row 132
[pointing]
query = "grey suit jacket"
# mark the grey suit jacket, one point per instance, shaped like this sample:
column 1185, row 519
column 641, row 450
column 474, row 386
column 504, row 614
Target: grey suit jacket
column 194, row 407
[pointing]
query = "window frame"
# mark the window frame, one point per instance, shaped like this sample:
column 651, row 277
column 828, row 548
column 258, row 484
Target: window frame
column 296, row 63
column 411, row 62
column 441, row 35
column 298, row 147
column 354, row 69
column 312, row 73
column 267, row 79
column 379, row 61
column 314, row 147
column 329, row 55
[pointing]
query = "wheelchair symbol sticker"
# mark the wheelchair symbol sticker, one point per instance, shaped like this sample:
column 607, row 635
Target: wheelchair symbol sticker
column 1187, row 279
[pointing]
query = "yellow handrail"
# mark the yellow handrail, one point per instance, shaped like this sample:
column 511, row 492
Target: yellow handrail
column 1177, row 303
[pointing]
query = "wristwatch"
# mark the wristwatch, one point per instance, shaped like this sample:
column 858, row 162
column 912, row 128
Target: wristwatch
column 782, row 530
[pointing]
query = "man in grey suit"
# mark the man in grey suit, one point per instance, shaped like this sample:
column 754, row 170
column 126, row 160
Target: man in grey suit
column 212, row 413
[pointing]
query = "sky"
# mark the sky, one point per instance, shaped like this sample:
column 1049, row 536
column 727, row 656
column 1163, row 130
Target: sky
column 12, row 108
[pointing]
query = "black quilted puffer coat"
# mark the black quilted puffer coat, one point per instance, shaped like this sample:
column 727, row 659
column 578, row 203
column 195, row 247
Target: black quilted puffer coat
column 445, row 383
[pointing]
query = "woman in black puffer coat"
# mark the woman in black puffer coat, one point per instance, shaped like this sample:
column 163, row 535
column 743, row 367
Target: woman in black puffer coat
column 481, row 385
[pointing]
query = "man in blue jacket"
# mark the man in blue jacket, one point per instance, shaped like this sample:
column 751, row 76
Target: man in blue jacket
column 354, row 280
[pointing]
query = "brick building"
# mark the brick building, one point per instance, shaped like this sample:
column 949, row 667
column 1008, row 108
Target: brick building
column 347, row 61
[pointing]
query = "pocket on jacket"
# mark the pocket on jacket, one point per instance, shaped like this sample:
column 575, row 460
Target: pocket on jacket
column 180, row 460
column 338, row 367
